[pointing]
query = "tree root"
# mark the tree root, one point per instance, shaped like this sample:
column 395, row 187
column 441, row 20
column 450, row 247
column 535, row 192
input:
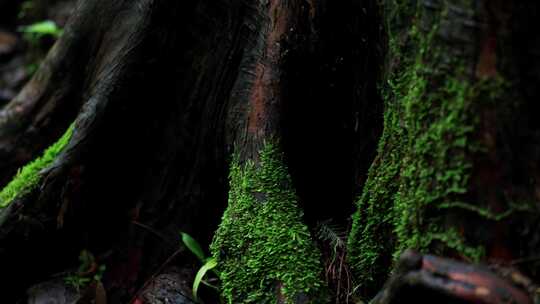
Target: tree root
column 429, row 279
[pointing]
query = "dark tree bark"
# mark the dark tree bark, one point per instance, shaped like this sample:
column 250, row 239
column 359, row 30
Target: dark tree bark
column 167, row 92
column 251, row 126
column 455, row 171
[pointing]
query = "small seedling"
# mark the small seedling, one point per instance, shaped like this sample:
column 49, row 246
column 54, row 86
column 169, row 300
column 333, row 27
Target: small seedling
column 87, row 272
column 209, row 263
column 193, row 246
column 33, row 34
column 41, row 29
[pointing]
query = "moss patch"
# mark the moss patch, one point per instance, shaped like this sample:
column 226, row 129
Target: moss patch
column 424, row 164
column 263, row 249
column 28, row 177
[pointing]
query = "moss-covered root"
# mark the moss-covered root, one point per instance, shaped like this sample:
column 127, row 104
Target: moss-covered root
column 27, row 179
column 265, row 252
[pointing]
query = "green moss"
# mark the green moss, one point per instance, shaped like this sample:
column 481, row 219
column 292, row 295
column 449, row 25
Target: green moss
column 261, row 244
column 27, row 179
column 423, row 166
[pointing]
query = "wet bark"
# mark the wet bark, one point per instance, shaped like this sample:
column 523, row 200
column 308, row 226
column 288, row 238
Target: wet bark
column 48, row 103
column 424, row 279
column 165, row 93
column 448, row 175
column 170, row 99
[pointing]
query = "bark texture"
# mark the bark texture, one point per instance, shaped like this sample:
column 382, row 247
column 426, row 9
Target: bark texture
column 172, row 98
column 251, row 125
column 450, row 177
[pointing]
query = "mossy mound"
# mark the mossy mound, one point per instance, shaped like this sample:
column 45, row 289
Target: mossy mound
column 263, row 249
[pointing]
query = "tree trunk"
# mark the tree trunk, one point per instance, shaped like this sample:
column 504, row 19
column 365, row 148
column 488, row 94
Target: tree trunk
column 251, row 125
column 172, row 95
column 455, row 171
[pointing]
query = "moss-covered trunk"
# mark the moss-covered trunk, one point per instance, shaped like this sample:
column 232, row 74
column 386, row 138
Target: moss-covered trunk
column 167, row 99
column 265, row 252
column 299, row 64
column 455, row 172
column 250, row 125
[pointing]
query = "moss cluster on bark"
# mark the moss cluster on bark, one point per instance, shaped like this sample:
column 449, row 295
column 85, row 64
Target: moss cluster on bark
column 263, row 249
column 424, row 162
column 28, row 177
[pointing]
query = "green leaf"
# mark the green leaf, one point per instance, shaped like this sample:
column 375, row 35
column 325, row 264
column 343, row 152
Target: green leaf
column 42, row 28
column 193, row 246
column 210, row 264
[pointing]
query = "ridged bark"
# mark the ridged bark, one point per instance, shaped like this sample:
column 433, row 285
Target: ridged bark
column 451, row 177
column 166, row 100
